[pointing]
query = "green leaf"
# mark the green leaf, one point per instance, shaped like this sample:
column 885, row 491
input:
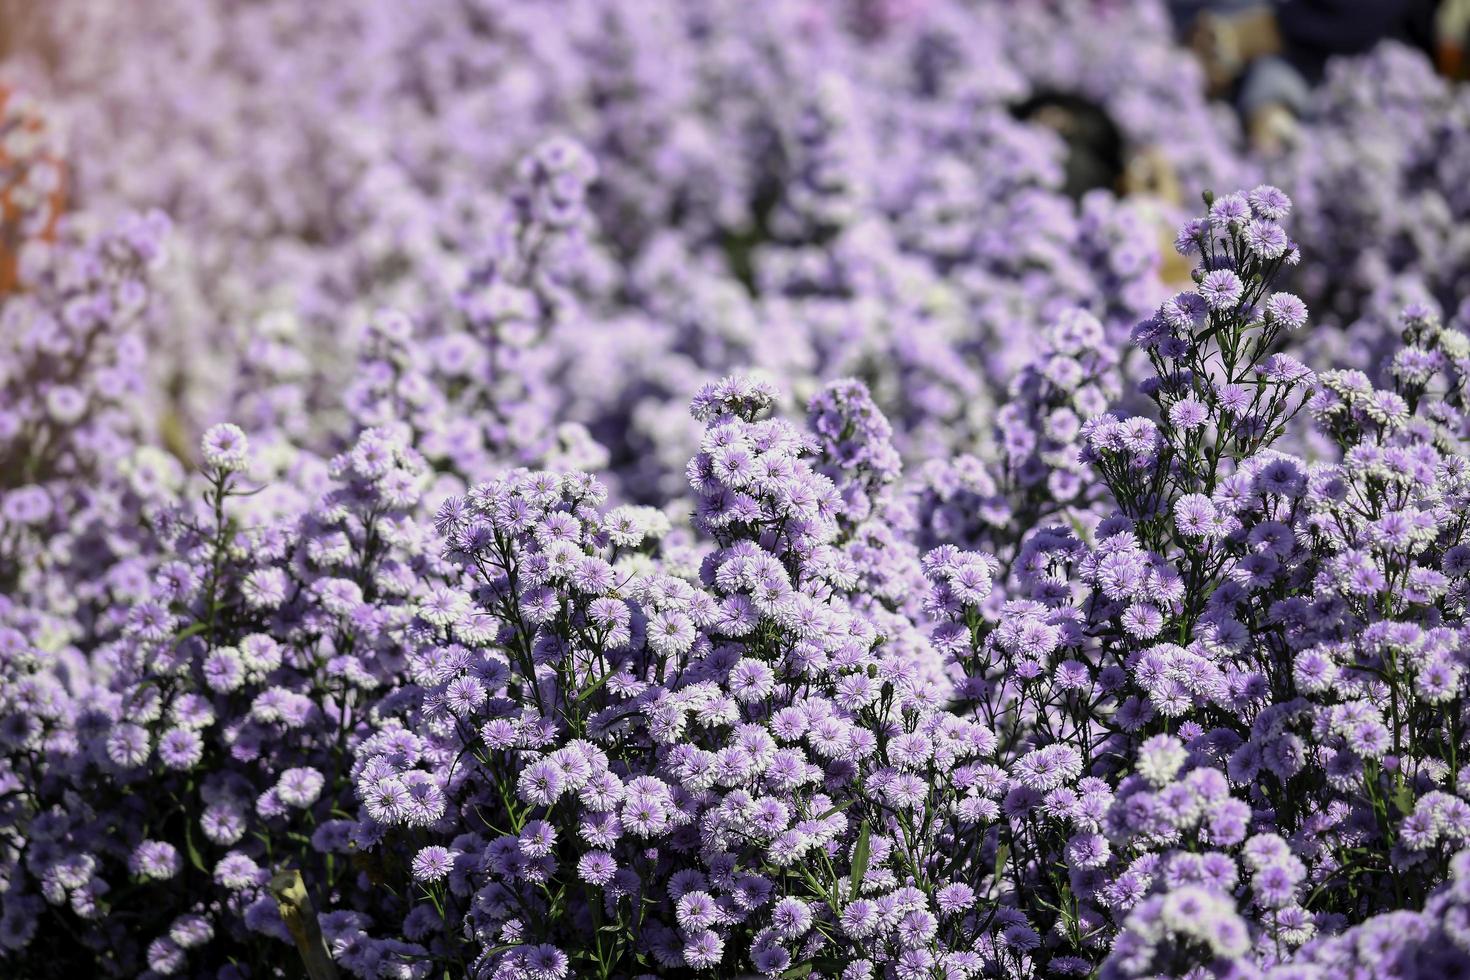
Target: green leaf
column 502, row 949
column 193, row 629
column 835, row 809
column 194, row 856
column 594, row 688
column 798, row 971
column 1002, row 855
column 1077, row 526
column 860, row 858
column 1403, row 798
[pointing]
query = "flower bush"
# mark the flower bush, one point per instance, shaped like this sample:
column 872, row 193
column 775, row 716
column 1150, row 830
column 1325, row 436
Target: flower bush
column 667, row 492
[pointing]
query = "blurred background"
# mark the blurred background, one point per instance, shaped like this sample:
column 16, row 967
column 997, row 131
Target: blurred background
column 906, row 191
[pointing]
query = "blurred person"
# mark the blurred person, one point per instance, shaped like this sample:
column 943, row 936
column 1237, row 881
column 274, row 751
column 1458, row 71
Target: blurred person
column 1267, row 57
column 1094, row 141
column 1452, row 37
column 1100, row 157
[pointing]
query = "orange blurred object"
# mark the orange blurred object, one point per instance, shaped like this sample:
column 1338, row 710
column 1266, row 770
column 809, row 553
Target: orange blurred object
column 32, row 184
column 1452, row 34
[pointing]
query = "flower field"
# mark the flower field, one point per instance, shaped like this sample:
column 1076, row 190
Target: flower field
column 714, row 488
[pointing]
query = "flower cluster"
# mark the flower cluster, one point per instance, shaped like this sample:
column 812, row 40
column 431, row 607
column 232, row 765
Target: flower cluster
column 205, row 745
column 73, row 399
column 31, row 182
column 592, row 745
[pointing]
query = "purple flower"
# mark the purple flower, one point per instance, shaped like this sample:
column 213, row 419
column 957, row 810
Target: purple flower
column 1270, row 202
column 1286, row 309
column 155, row 859
column 1230, row 209
column 432, row 864
column 1266, row 239
column 596, row 867
column 225, row 448
column 1221, row 289
column 542, row 783
column 1194, row 515
column 300, row 787
column 546, row 962
column 180, row 748
column 1188, row 414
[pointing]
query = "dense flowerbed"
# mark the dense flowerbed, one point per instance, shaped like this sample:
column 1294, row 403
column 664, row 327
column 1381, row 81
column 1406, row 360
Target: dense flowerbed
column 620, row 489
